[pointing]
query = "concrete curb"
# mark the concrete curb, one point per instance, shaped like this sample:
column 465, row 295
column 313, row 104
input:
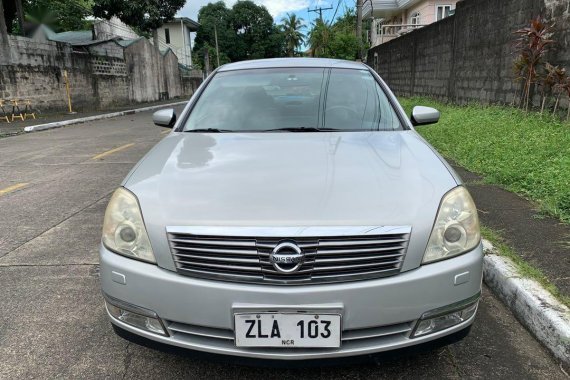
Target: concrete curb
column 532, row 305
column 57, row 124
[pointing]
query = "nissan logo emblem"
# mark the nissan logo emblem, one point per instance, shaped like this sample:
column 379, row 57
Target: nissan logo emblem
column 287, row 257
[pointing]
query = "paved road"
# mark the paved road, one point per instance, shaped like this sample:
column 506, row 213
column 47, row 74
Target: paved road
column 54, row 187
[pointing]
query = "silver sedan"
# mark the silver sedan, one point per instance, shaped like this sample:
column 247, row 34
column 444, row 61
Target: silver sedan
column 292, row 213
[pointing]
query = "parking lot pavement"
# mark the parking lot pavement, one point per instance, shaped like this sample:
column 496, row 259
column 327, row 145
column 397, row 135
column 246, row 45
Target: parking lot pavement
column 54, row 187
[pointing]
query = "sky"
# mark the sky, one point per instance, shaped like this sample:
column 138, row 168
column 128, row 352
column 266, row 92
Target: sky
column 279, row 8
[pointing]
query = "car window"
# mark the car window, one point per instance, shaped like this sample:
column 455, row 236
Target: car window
column 285, row 99
column 356, row 101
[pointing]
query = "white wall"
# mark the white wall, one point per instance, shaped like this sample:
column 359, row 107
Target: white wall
column 179, row 42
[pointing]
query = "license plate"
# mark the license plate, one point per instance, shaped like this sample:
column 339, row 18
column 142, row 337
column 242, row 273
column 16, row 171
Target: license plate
column 287, row 330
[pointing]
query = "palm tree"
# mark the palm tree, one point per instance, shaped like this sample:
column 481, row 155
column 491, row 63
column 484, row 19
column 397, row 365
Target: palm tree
column 294, row 38
column 319, row 38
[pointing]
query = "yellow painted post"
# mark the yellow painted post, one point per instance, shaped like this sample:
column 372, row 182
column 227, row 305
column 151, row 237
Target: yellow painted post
column 67, row 90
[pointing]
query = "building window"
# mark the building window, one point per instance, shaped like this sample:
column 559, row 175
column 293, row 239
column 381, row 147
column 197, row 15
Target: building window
column 167, row 35
column 443, row 11
column 415, row 19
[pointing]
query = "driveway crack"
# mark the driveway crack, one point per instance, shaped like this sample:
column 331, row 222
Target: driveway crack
column 127, row 360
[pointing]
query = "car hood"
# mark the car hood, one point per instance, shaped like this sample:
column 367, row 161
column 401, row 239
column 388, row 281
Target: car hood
column 291, row 179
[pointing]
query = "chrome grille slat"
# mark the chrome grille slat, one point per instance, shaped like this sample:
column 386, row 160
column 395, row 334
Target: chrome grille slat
column 376, row 332
column 359, row 242
column 218, row 251
column 219, row 258
column 317, row 268
column 244, row 255
column 247, row 243
column 359, row 250
column 220, row 266
column 352, row 258
column 201, row 331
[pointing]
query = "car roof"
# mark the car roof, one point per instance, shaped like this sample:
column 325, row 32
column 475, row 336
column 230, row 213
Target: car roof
column 292, row 62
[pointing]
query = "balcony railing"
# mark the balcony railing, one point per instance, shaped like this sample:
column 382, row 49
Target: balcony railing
column 389, row 32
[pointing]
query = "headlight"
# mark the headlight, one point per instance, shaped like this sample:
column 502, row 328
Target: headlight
column 456, row 228
column 123, row 229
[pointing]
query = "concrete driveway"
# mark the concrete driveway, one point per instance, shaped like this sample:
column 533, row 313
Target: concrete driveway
column 54, row 187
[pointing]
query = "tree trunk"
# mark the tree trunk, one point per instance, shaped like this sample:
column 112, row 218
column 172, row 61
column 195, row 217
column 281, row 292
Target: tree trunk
column 556, row 104
column 4, row 47
column 20, row 16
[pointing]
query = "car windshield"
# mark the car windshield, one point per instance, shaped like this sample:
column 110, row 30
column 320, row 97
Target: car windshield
column 292, row 99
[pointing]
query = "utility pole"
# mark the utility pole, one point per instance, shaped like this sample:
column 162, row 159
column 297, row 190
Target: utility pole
column 207, row 60
column 359, row 27
column 155, row 40
column 217, row 48
column 320, row 11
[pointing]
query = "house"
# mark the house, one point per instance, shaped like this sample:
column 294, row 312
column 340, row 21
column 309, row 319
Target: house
column 177, row 36
column 393, row 18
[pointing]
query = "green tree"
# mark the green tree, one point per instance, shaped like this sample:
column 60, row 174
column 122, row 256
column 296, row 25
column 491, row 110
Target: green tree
column 294, row 38
column 210, row 17
column 142, row 15
column 335, row 40
column 59, row 15
column 254, row 28
column 344, row 44
column 246, row 31
column 319, row 38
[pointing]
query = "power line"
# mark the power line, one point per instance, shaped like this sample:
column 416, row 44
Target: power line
column 335, row 11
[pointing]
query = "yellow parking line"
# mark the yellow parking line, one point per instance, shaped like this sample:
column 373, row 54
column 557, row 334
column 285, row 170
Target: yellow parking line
column 104, row 154
column 15, row 187
column 165, row 132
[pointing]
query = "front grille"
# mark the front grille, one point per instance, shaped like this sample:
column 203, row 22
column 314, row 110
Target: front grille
column 245, row 257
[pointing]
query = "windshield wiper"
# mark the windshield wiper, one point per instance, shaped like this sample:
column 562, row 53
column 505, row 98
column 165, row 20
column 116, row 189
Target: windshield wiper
column 209, row 130
column 300, row 129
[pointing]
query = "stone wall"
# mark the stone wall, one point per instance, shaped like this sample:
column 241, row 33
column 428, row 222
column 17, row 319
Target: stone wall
column 103, row 75
column 468, row 57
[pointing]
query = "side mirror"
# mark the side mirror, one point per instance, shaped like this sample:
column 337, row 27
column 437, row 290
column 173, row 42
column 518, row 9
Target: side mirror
column 424, row 115
column 164, row 118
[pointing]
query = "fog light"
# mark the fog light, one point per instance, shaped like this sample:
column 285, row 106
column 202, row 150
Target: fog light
column 135, row 316
column 441, row 319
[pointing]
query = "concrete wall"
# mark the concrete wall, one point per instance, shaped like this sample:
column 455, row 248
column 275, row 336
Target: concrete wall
column 468, row 57
column 103, row 76
column 114, row 27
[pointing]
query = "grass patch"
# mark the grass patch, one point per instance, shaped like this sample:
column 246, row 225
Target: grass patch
column 525, row 153
column 524, row 268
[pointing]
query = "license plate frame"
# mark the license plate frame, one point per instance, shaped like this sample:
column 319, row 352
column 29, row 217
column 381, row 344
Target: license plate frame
column 289, row 330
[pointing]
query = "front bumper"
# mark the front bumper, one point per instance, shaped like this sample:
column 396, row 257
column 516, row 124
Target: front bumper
column 378, row 315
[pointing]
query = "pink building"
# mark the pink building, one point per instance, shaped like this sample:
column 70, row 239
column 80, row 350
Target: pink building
column 392, row 18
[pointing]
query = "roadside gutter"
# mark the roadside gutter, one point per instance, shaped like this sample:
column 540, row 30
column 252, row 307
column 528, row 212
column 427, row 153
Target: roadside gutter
column 58, row 124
